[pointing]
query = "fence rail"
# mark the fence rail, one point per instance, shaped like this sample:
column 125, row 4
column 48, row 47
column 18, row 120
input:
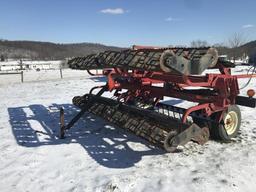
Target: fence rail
column 14, row 73
column 33, row 75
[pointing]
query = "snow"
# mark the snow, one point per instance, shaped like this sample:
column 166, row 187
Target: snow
column 42, row 75
column 96, row 156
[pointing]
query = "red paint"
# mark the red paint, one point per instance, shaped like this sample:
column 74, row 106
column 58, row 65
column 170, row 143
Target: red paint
column 223, row 87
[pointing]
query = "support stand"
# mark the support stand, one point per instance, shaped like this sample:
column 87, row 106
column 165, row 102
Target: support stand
column 64, row 127
column 62, row 124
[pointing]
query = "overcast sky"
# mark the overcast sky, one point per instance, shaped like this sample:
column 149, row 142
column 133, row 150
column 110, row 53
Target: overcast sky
column 127, row 22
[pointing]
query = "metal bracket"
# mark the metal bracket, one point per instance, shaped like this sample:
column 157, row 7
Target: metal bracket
column 194, row 133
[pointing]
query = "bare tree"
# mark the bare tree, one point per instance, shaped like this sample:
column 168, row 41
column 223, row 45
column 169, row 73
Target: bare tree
column 234, row 42
column 218, row 45
column 199, row 43
column 2, row 58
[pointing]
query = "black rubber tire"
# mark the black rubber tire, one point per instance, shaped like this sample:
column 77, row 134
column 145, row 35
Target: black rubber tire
column 200, row 122
column 219, row 132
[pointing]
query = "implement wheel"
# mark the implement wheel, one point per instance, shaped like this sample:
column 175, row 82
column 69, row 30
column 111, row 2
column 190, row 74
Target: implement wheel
column 230, row 125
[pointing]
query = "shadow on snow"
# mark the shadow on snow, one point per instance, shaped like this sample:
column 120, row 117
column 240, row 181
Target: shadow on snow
column 37, row 125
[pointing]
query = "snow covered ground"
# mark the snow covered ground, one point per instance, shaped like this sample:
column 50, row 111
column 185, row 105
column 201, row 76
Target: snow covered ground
column 42, row 75
column 96, row 156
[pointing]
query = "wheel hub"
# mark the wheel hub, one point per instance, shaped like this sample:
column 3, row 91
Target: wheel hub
column 231, row 122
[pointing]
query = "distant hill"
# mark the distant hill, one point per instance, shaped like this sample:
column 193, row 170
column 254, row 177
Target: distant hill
column 249, row 48
column 49, row 51
column 246, row 49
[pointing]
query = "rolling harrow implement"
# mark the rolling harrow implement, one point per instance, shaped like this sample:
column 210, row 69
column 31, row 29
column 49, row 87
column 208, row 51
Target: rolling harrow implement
column 141, row 77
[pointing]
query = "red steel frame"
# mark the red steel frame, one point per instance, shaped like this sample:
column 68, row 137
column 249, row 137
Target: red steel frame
column 223, row 84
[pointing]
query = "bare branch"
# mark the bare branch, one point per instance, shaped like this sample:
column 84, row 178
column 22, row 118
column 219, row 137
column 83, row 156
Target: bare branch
column 199, row 43
column 236, row 40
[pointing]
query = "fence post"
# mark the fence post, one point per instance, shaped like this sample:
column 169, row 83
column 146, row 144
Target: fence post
column 61, row 76
column 22, row 78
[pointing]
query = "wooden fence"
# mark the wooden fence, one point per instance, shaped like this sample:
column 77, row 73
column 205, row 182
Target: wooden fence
column 14, row 73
